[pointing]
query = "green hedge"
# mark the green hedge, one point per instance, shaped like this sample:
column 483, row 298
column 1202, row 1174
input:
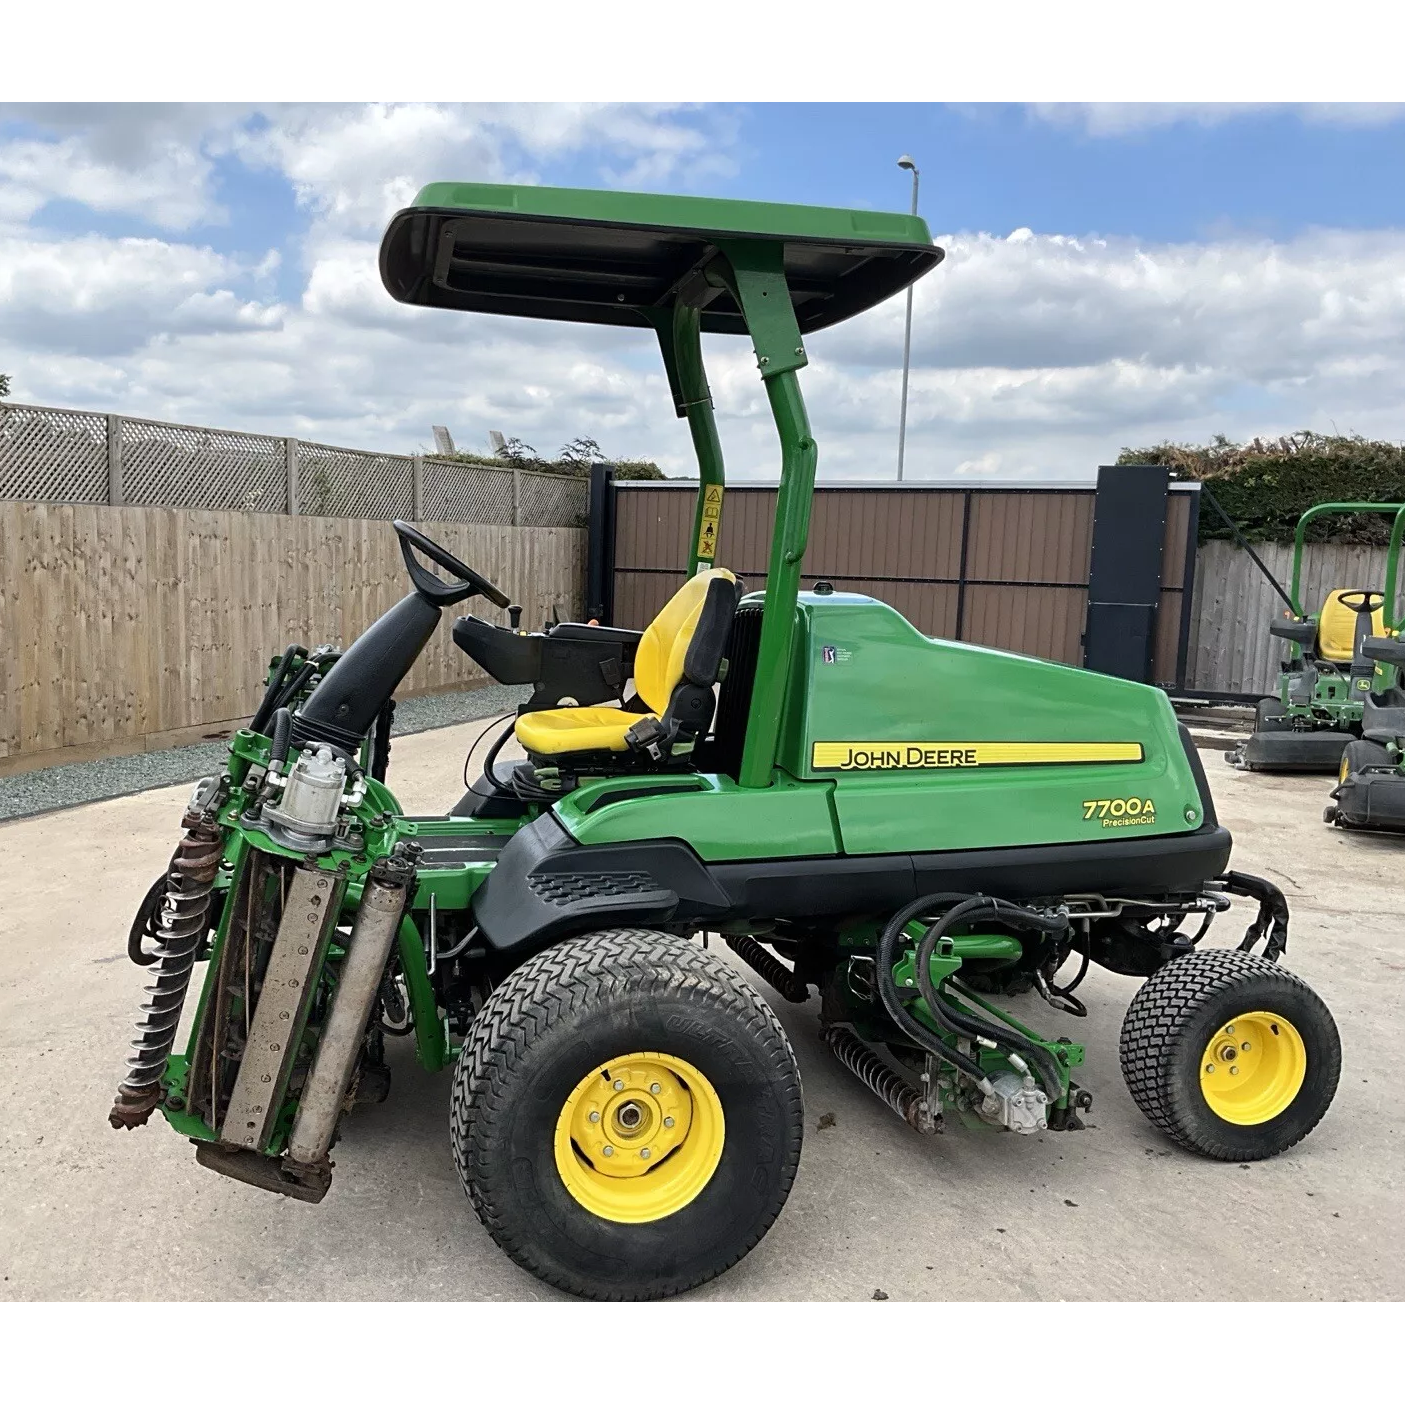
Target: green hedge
column 573, row 461
column 1266, row 485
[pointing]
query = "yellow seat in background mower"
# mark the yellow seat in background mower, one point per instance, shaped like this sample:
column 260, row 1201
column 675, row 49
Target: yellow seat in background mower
column 658, row 670
column 1336, row 628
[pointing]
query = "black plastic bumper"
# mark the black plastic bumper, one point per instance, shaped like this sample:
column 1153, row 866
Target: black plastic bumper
column 1319, row 751
column 1372, row 800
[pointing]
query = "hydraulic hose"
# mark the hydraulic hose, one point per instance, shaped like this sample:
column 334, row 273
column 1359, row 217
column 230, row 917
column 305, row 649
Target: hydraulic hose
column 888, row 991
column 468, row 755
column 282, row 732
column 959, row 1022
column 492, row 755
column 271, row 700
column 295, row 684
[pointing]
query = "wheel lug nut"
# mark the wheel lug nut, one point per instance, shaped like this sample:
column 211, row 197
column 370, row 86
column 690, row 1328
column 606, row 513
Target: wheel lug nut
column 645, row 1153
column 668, row 1122
column 609, row 1151
column 1245, row 1046
column 595, row 1117
column 1209, row 1068
column 655, row 1088
column 619, row 1085
column 1229, row 1029
column 1234, row 1070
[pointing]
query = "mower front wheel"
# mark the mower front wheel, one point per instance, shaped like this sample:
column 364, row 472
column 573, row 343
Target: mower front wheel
column 1230, row 1055
column 1269, row 716
column 626, row 1115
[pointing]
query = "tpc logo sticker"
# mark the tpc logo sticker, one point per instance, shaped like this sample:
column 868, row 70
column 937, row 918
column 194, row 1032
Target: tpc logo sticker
column 829, row 653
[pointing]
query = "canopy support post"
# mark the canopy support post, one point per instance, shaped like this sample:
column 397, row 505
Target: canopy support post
column 756, row 275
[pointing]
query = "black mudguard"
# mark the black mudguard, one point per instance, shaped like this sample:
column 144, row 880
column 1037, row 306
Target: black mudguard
column 546, row 885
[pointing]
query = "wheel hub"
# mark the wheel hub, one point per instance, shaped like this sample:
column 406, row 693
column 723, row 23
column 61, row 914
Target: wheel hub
column 1253, row 1068
column 639, row 1137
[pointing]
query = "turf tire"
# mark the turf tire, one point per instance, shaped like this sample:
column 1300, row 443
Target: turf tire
column 1171, row 1020
column 1270, row 717
column 572, row 1007
column 1364, row 755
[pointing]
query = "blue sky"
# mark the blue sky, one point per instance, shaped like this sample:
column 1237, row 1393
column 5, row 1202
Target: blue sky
column 1117, row 274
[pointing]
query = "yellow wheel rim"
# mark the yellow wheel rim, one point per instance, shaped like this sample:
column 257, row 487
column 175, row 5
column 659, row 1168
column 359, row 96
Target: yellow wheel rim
column 639, row 1137
column 1253, row 1068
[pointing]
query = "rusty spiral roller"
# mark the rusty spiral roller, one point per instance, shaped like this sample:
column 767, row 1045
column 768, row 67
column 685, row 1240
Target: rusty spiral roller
column 179, row 929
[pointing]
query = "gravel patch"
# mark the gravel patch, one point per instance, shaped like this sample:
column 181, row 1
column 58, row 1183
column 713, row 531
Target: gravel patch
column 82, row 782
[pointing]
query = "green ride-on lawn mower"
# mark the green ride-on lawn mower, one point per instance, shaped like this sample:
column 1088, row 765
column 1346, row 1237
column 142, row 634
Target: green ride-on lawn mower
column 1325, row 682
column 1370, row 791
column 907, row 826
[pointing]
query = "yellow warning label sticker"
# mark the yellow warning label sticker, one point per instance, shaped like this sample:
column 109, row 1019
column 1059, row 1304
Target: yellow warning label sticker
column 927, row 756
column 711, row 521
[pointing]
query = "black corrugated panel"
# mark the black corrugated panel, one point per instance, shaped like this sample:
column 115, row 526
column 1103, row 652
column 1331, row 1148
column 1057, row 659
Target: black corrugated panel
column 722, row 752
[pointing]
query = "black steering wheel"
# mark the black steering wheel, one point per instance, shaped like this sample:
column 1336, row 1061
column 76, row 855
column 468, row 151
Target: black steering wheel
column 429, row 585
column 1371, row 600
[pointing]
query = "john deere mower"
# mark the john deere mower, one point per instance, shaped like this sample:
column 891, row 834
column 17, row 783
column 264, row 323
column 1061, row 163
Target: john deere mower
column 908, row 828
column 1326, row 677
column 1370, row 792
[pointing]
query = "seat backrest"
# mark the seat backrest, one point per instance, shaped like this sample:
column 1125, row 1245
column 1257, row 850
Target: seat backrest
column 686, row 638
column 1337, row 628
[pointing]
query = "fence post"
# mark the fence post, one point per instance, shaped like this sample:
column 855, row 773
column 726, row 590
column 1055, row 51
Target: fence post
column 416, row 487
column 115, row 497
column 290, row 451
column 516, row 497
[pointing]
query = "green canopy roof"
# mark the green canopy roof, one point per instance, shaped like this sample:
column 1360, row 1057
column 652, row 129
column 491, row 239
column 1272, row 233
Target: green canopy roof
column 605, row 256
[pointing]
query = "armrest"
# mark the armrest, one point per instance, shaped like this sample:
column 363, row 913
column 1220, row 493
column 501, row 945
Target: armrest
column 1384, row 650
column 504, row 654
column 595, row 633
column 1302, row 632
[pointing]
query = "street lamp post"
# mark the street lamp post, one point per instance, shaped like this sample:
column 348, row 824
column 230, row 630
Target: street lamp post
column 907, row 164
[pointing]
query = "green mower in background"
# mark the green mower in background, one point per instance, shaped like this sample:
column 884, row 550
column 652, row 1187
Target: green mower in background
column 1370, row 791
column 908, row 828
column 1325, row 683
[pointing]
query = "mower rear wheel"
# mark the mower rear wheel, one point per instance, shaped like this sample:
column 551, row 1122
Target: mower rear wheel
column 626, row 1115
column 1230, row 1055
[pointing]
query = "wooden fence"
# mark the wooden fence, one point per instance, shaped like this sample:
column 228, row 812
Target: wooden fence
column 125, row 629
column 1230, row 649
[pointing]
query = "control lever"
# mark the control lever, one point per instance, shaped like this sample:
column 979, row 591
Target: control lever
column 514, row 618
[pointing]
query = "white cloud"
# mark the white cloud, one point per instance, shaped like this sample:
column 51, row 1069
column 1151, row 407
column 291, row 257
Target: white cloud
column 170, row 189
column 1115, row 119
column 350, row 165
column 97, row 296
column 1032, row 354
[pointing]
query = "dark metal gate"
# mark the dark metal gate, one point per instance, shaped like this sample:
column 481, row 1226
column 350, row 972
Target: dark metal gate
column 1005, row 565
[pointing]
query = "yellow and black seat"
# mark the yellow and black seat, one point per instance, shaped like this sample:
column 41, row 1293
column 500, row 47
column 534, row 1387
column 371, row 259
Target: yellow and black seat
column 1331, row 645
column 677, row 662
column 1341, row 627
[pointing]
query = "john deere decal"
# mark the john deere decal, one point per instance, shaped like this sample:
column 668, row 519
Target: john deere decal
column 929, row 756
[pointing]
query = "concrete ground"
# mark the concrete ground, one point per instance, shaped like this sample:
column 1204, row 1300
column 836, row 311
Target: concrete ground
column 1112, row 1212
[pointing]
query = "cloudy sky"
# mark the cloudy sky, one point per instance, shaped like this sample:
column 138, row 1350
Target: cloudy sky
column 1116, row 274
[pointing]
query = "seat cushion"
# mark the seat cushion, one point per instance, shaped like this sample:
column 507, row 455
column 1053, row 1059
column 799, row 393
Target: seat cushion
column 660, row 664
column 557, row 730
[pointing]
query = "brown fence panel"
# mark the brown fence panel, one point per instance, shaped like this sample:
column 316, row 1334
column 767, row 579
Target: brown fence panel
column 124, row 628
column 1001, row 566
